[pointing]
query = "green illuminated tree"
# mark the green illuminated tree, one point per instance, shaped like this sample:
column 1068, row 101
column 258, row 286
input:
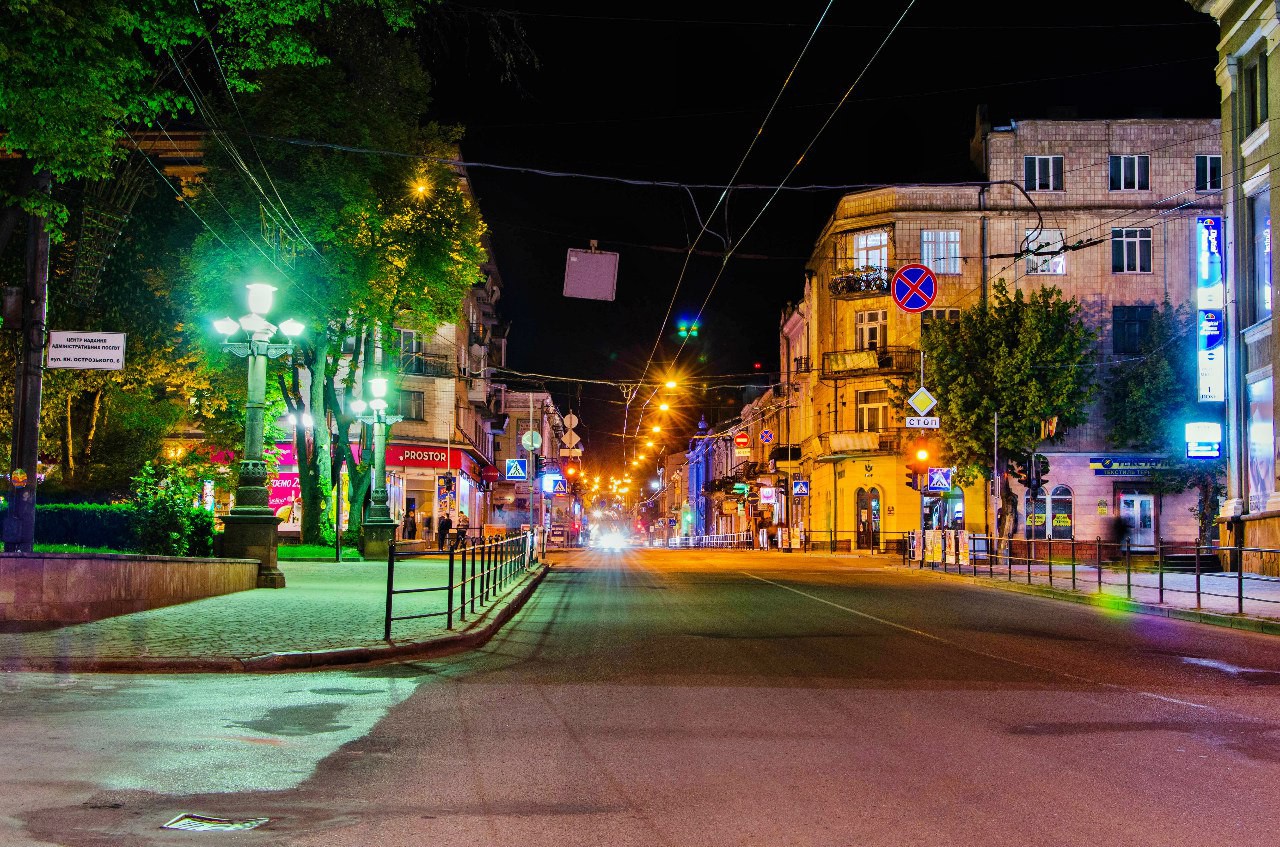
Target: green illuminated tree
column 354, row 241
column 1026, row 356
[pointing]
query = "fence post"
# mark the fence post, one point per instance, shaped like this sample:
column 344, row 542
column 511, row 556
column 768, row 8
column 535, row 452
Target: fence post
column 462, row 586
column 1197, row 573
column 1072, row 542
column 1160, row 569
column 1099, row 563
column 1049, row 555
column 448, row 606
column 391, row 579
column 1031, row 554
column 1238, row 538
column 1128, row 570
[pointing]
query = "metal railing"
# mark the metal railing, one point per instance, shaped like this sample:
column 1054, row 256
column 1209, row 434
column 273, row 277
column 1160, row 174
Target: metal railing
column 740, row 540
column 867, row 361
column 1173, row 572
column 477, row 573
column 852, row 541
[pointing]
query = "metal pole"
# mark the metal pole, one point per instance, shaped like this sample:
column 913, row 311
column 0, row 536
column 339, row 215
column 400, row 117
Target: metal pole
column 391, row 579
column 1197, row 574
column 1049, row 544
column 1160, row 569
column 448, row 610
column 1128, row 570
column 337, row 522
column 1099, row 562
column 1073, row 564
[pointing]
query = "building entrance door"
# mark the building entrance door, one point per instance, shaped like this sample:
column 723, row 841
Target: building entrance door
column 1138, row 511
column 868, row 519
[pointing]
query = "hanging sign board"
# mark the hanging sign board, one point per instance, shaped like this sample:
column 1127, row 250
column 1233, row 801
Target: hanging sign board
column 103, row 351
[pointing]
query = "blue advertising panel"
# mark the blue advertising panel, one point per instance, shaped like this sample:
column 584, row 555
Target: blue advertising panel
column 1211, row 349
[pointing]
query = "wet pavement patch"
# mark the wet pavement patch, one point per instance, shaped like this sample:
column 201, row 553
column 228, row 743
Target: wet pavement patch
column 312, row 719
column 203, row 823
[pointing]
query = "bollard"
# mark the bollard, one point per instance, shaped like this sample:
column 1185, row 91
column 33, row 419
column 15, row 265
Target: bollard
column 462, row 586
column 1073, row 564
column 448, row 605
column 1049, row 555
column 1128, row 570
column 1099, row 562
column 391, row 579
column 1160, row 569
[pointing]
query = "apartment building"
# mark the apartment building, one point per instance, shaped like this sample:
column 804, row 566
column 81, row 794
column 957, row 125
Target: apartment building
column 1120, row 210
column 546, row 501
column 1249, row 80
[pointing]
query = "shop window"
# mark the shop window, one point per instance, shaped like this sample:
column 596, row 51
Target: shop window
column 1051, row 516
column 1259, row 208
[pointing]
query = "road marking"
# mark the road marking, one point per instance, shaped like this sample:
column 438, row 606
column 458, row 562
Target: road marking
column 967, row 649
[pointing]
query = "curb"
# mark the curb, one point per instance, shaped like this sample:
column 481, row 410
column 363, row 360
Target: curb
column 1246, row 623
column 479, row 631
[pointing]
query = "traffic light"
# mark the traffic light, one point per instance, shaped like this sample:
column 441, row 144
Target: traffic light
column 686, row 330
column 446, row 482
column 1031, row 475
column 539, row 464
column 918, row 465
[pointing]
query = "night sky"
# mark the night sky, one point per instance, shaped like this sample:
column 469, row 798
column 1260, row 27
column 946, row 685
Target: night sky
column 674, row 92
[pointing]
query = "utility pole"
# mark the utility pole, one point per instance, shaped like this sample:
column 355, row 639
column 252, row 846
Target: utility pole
column 20, row 525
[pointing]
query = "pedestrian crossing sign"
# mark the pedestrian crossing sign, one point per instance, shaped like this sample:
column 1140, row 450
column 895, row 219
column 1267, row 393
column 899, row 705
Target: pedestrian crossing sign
column 939, row 479
column 561, row 487
column 517, row 469
column 799, row 488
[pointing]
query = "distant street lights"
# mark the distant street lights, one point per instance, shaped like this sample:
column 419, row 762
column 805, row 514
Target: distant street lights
column 251, row 526
column 378, row 527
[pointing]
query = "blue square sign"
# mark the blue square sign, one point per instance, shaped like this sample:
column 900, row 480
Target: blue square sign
column 799, row 488
column 518, row 469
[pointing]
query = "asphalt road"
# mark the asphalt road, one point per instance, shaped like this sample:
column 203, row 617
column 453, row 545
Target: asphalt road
column 681, row 698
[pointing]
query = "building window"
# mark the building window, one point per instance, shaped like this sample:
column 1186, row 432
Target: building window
column 871, row 249
column 1043, row 173
column 1129, row 327
column 1259, row 207
column 873, row 410
column 411, row 405
column 1131, row 251
column 1130, row 173
column 411, row 361
column 869, row 329
column 928, row 316
column 1208, row 173
column 940, row 250
column 1047, row 251
column 1254, row 91
column 1050, row 517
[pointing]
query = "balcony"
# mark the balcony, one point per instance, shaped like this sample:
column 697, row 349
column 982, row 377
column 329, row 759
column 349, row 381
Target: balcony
column 882, row 360
column 426, row 364
column 803, row 365
column 476, row 334
column 856, row 283
column 478, row 390
column 845, row 443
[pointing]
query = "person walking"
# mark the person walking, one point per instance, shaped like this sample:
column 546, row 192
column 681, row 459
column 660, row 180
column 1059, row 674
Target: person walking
column 464, row 523
column 442, row 530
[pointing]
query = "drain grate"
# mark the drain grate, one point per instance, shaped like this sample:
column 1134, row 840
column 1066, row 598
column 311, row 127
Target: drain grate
column 203, row 823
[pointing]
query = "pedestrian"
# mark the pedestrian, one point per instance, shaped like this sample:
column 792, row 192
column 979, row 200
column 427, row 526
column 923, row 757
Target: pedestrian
column 442, row 530
column 464, row 523
column 410, row 525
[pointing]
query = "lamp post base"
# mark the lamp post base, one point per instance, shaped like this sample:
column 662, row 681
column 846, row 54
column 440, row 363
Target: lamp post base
column 252, row 535
column 375, row 536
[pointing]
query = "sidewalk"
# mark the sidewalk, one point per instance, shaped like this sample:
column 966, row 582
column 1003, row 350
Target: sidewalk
column 328, row 614
column 1218, row 602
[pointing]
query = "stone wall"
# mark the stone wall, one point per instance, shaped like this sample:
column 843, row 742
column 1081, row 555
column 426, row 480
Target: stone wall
column 47, row 589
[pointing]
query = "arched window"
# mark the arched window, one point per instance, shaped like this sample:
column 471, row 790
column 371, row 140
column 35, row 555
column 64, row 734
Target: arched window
column 1052, row 516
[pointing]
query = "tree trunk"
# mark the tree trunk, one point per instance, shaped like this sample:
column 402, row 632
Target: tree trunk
column 86, row 457
column 68, row 453
column 322, row 457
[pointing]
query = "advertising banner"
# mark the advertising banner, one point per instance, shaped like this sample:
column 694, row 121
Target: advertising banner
column 1210, row 303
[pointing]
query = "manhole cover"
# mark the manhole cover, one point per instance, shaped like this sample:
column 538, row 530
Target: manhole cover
column 202, row 823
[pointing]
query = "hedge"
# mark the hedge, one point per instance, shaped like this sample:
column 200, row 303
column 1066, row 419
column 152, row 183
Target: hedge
column 113, row 525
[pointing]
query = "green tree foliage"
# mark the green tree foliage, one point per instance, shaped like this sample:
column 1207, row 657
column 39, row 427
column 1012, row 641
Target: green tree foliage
column 1148, row 400
column 354, row 242
column 77, row 75
column 1026, row 356
column 167, row 521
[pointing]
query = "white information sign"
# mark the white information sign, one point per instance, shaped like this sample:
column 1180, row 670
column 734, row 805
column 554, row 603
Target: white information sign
column 102, row 351
column 922, row 423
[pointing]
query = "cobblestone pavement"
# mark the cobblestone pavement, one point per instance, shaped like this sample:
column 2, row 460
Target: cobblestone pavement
column 326, row 606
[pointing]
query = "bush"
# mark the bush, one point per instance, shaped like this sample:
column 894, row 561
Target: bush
column 163, row 502
column 86, row 524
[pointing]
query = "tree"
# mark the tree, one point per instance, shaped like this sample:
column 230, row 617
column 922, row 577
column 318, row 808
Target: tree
column 355, row 242
column 1026, row 357
column 1148, row 400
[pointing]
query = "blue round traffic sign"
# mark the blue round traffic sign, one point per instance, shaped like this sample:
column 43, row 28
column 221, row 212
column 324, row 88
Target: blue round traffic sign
column 914, row 288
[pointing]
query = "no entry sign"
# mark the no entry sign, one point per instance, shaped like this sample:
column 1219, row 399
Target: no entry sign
column 914, row 288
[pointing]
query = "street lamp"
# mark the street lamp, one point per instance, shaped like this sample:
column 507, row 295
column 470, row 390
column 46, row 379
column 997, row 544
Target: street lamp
column 378, row 527
column 251, row 526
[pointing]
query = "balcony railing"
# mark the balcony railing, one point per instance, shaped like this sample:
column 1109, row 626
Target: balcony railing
column 862, row 443
column 803, row 365
column 855, row 283
column 862, row 362
column 426, row 364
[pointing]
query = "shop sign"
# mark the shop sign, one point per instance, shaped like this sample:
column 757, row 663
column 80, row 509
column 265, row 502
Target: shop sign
column 1125, row 465
column 768, row 495
column 1210, row 305
column 284, row 496
column 1204, row 440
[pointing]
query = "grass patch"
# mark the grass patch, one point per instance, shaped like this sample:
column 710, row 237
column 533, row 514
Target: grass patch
column 77, row 548
column 315, row 552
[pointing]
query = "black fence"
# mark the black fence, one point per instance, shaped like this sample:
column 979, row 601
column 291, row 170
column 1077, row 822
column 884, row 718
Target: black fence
column 1168, row 569
column 477, row 573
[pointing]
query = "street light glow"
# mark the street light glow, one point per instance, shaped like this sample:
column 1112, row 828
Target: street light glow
column 358, row 406
column 671, row 383
column 292, row 328
column 226, row 326
column 260, row 297
column 378, row 385
column 663, row 407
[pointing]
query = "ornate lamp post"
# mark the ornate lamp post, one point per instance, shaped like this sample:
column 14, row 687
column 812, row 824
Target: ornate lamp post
column 251, row 526
column 378, row 528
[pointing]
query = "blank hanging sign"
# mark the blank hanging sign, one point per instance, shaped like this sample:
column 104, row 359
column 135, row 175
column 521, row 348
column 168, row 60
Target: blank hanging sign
column 591, row 274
